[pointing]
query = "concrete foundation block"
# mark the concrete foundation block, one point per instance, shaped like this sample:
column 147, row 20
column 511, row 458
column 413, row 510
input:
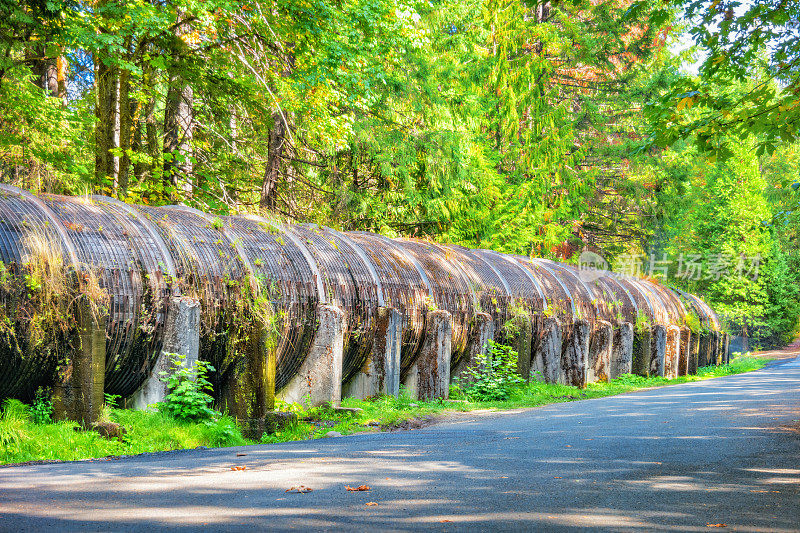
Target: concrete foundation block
column 481, row 333
column 726, row 348
column 548, row 352
column 705, row 349
column 600, row 352
column 642, row 351
column 694, row 353
column 429, row 376
column 672, row 352
column 320, row 376
column 713, row 351
column 684, row 356
column 249, row 392
column 658, row 350
column 181, row 336
column 521, row 340
column 576, row 362
column 622, row 350
column 380, row 373
column 78, row 392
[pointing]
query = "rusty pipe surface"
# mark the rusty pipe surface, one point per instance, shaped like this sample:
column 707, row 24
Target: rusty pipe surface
column 139, row 256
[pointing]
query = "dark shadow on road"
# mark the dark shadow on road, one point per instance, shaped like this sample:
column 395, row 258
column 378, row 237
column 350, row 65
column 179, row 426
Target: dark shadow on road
column 675, row 458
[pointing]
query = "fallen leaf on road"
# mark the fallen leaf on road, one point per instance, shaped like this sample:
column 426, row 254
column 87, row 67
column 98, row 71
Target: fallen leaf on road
column 568, row 446
column 716, row 525
column 360, row 488
column 557, row 477
column 371, row 503
column 238, row 468
column 301, row 489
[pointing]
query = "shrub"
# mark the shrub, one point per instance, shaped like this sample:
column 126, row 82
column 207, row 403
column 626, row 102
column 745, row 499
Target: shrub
column 42, row 408
column 12, row 426
column 493, row 375
column 188, row 399
column 222, row 431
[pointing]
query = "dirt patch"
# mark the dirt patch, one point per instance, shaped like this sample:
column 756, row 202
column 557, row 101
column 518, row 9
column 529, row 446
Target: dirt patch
column 789, row 352
column 411, row 423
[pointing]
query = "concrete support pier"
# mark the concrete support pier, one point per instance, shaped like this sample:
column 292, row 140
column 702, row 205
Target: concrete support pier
column 320, row 376
column 600, row 352
column 704, row 349
column 658, row 350
column 672, row 352
column 726, row 348
column 685, row 348
column 548, row 351
column 250, row 390
column 182, row 337
column 642, row 351
column 694, row 353
column 576, row 362
column 622, row 350
column 481, row 333
column 521, row 341
column 380, row 373
column 713, row 350
column 78, row 392
column 429, row 376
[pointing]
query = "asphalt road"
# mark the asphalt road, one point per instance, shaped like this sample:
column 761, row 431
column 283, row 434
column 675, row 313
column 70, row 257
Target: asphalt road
column 723, row 451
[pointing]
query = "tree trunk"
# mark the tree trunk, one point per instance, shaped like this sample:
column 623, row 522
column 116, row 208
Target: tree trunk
column 137, row 146
column 127, row 108
column 61, row 78
column 275, row 147
column 178, row 125
column 49, row 72
column 106, row 115
column 151, row 128
column 178, row 115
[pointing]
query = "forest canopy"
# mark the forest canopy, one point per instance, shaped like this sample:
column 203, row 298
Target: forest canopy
column 539, row 128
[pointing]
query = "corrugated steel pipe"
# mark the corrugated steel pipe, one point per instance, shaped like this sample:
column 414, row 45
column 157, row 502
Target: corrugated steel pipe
column 133, row 261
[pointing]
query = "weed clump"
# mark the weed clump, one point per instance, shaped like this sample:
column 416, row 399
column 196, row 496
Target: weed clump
column 492, row 376
column 188, row 399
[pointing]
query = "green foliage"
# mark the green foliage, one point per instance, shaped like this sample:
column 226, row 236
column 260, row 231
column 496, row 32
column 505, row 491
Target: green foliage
column 222, row 431
column 719, row 217
column 754, row 43
column 642, row 322
column 188, row 399
column 22, row 440
column 493, row 374
column 14, row 433
column 41, row 409
column 111, row 400
column 500, row 124
column 692, row 321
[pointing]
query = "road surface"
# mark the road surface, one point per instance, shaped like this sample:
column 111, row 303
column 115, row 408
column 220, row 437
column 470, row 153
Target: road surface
column 678, row 458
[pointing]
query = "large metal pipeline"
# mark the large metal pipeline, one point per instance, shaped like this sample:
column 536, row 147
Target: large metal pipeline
column 140, row 256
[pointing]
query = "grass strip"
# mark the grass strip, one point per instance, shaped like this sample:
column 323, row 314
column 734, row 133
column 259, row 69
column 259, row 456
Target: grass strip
column 22, row 440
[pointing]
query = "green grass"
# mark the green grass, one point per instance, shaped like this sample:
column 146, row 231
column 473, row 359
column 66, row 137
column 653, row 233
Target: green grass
column 387, row 412
column 22, row 440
